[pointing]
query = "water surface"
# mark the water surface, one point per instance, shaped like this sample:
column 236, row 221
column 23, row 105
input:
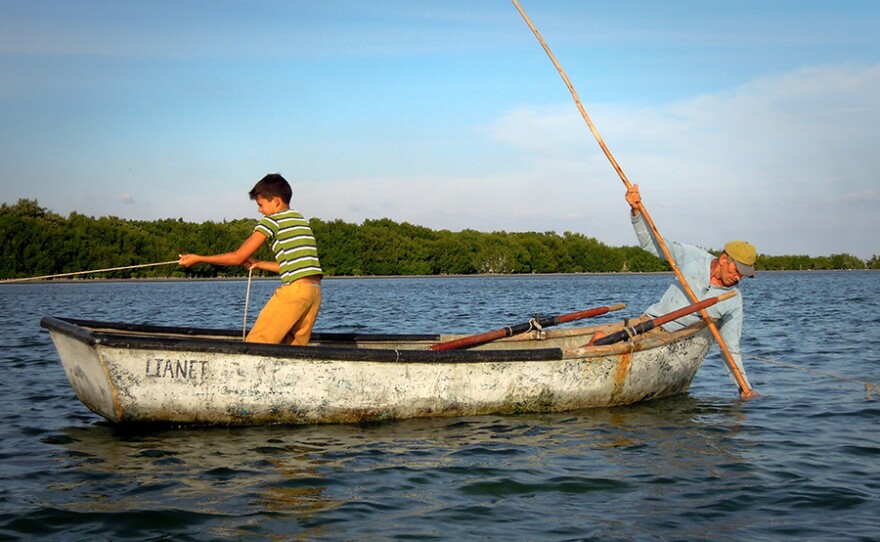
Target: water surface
column 800, row 463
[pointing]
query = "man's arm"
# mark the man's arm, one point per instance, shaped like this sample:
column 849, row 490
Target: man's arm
column 647, row 240
column 643, row 233
column 730, row 329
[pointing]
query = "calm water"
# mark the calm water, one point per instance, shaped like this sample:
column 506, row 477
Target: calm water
column 800, row 463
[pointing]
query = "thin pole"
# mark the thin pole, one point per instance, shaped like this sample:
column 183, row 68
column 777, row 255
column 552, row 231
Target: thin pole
column 89, row 272
column 741, row 382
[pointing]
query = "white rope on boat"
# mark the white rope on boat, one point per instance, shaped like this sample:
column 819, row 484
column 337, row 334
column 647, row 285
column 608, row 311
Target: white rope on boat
column 87, row 272
column 247, row 299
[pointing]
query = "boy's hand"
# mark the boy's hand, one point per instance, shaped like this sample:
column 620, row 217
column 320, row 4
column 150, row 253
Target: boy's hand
column 187, row 260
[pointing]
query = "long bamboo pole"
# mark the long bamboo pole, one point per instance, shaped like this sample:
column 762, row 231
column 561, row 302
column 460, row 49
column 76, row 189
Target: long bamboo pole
column 744, row 389
column 42, row 277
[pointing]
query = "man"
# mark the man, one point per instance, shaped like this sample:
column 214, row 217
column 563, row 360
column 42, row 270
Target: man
column 707, row 276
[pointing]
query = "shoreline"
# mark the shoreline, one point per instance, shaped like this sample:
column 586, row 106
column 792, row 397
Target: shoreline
column 382, row 277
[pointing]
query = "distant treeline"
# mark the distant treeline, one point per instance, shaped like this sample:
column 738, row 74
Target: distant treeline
column 37, row 242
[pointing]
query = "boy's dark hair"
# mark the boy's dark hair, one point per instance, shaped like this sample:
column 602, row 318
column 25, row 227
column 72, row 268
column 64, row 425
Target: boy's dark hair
column 270, row 186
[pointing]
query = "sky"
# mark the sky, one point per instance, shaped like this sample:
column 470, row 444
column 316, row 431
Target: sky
column 753, row 120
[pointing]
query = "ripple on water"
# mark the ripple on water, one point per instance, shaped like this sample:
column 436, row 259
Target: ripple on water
column 799, row 463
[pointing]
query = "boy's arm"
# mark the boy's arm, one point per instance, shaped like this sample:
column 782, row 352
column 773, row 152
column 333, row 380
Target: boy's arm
column 272, row 267
column 239, row 257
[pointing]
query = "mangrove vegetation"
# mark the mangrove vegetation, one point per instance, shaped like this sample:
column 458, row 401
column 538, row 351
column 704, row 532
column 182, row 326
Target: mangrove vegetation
column 38, row 242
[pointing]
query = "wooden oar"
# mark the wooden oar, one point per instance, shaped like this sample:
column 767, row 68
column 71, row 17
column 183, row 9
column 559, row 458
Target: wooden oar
column 509, row 331
column 643, row 327
column 744, row 389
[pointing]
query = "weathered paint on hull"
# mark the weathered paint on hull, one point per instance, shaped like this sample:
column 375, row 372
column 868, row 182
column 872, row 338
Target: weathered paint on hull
column 124, row 383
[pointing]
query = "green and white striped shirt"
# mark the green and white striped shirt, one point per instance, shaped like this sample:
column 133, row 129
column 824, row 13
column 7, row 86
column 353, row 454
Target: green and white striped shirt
column 293, row 243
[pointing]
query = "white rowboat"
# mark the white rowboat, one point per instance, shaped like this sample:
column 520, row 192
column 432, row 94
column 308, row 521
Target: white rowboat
column 137, row 373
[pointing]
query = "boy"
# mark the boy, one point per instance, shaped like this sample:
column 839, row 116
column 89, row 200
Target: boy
column 290, row 313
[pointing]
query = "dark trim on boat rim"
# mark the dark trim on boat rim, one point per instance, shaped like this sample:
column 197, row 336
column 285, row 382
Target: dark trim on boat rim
column 137, row 337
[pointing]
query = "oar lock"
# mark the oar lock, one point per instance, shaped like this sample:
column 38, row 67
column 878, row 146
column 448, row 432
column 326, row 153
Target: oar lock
column 535, row 325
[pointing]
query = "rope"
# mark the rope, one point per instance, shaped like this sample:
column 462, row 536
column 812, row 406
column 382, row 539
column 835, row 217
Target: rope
column 869, row 386
column 247, row 299
column 535, row 324
column 87, row 272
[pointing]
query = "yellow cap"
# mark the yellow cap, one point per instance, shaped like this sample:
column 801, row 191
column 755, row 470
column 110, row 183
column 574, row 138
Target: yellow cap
column 743, row 255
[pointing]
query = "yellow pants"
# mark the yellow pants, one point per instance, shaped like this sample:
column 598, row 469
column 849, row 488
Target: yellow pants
column 289, row 314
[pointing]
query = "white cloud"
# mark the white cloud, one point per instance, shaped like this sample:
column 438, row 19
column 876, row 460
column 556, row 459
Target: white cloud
column 774, row 161
column 786, row 162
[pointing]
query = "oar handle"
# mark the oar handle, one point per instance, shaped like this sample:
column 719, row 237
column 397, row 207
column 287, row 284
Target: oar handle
column 509, row 331
column 643, row 327
column 698, row 306
column 563, row 318
column 473, row 340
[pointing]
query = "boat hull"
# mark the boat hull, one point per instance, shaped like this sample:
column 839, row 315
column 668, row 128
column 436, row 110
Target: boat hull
column 181, row 376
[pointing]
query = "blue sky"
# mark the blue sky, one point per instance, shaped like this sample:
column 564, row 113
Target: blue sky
column 755, row 120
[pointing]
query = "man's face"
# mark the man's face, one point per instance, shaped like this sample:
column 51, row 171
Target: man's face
column 728, row 274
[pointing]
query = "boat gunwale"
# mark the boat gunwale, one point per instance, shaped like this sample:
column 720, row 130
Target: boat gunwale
column 78, row 329
column 136, row 336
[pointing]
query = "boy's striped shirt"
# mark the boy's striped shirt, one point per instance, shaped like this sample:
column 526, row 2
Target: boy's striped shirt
column 293, row 243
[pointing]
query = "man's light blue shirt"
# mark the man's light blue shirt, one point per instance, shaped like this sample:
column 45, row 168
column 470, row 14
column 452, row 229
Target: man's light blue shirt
column 695, row 265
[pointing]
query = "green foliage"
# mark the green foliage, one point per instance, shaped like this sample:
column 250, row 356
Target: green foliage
column 37, row 242
column 808, row 263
